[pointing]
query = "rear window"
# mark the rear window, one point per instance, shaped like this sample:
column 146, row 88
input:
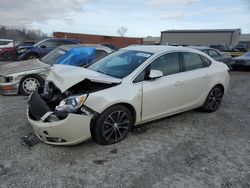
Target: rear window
column 206, row 61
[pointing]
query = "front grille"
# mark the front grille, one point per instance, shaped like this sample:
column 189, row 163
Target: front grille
column 37, row 107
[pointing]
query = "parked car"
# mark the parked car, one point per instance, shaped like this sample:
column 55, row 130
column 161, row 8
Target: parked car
column 234, row 52
column 242, row 47
column 24, row 77
column 242, row 62
column 134, row 85
column 215, row 54
column 7, row 49
column 43, row 47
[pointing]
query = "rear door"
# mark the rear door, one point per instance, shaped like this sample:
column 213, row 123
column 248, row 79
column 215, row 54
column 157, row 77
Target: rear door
column 194, row 79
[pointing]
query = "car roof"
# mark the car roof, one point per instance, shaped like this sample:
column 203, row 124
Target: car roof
column 158, row 48
column 7, row 40
column 98, row 46
column 199, row 47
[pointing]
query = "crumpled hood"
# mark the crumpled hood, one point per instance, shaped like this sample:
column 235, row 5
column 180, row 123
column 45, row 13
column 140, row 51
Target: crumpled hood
column 65, row 76
column 21, row 66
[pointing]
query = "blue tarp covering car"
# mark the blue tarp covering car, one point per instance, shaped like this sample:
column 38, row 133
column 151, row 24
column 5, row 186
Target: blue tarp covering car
column 78, row 56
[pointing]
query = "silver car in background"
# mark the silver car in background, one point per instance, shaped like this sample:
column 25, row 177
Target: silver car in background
column 24, row 77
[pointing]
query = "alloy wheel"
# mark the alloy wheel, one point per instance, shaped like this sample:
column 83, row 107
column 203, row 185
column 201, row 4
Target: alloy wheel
column 215, row 98
column 116, row 126
column 30, row 84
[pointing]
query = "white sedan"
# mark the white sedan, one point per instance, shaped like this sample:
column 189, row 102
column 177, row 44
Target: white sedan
column 134, row 85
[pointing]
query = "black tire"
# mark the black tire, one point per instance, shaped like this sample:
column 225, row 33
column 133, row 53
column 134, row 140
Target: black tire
column 8, row 56
column 213, row 99
column 113, row 125
column 24, row 89
column 32, row 56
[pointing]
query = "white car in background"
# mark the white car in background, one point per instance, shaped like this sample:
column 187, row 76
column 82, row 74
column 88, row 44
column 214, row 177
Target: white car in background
column 129, row 87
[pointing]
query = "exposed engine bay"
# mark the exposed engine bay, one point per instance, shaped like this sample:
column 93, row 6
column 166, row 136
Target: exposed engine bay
column 53, row 96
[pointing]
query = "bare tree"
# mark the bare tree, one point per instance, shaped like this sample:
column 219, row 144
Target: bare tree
column 122, row 30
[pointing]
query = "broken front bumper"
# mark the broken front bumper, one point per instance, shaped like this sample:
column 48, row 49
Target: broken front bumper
column 9, row 88
column 54, row 129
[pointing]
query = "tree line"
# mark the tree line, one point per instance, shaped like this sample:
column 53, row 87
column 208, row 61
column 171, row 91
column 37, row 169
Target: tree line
column 19, row 35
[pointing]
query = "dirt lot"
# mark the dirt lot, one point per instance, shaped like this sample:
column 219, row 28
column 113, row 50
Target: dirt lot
column 192, row 149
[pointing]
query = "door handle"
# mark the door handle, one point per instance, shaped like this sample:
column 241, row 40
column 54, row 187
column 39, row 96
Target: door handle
column 178, row 83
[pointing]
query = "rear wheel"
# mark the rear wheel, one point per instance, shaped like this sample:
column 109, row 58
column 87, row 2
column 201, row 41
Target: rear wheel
column 113, row 125
column 29, row 83
column 213, row 99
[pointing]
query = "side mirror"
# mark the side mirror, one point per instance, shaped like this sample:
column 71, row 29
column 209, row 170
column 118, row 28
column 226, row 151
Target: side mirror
column 43, row 46
column 153, row 74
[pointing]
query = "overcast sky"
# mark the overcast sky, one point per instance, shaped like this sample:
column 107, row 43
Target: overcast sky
column 141, row 17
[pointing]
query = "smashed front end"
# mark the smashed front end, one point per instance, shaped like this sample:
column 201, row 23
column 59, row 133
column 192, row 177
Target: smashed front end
column 62, row 118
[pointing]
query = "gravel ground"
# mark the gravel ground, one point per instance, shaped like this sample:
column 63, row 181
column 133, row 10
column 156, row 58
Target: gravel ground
column 192, row 149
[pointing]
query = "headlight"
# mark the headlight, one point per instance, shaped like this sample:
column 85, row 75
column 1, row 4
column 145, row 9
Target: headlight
column 71, row 104
column 5, row 79
column 22, row 51
column 2, row 79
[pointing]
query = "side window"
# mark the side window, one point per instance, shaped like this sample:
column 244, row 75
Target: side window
column 65, row 42
column 140, row 77
column 206, row 61
column 100, row 53
column 192, row 61
column 213, row 54
column 168, row 64
column 49, row 44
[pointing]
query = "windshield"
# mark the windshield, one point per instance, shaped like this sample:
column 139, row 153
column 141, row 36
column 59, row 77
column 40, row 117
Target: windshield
column 40, row 42
column 53, row 56
column 121, row 63
column 4, row 42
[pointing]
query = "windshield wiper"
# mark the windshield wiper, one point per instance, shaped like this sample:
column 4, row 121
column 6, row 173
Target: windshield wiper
column 101, row 72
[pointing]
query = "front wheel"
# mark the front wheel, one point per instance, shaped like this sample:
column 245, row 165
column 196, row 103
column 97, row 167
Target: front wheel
column 113, row 125
column 29, row 83
column 213, row 99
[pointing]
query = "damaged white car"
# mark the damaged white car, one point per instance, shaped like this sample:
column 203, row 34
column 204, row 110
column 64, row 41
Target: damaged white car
column 129, row 87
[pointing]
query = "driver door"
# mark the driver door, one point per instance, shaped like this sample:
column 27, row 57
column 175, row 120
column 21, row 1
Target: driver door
column 163, row 95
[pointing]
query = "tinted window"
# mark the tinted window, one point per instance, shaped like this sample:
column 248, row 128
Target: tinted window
column 168, row 64
column 49, row 44
column 192, row 61
column 65, row 42
column 4, row 42
column 206, row 61
column 213, row 53
column 100, row 53
column 140, row 77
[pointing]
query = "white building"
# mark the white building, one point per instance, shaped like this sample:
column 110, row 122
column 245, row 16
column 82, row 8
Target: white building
column 204, row 37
